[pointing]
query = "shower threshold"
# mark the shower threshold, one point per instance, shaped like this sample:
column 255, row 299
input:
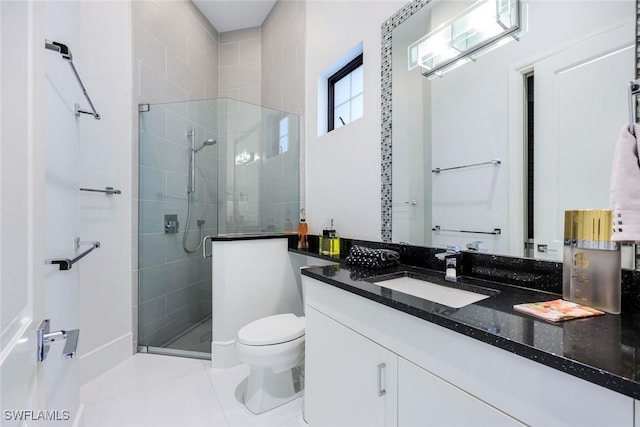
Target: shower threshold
column 195, row 342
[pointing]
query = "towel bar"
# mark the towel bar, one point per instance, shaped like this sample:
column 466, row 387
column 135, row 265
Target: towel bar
column 107, row 190
column 495, row 162
column 66, row 263
column 495, row 231
column 63, row 50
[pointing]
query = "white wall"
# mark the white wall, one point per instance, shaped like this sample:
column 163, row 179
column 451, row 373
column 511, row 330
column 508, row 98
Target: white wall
column 343, row 166
column 104, row 62
column 95, row 295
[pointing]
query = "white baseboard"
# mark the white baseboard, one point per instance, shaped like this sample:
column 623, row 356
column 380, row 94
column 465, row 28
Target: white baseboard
column 105, row 357
column 224, row 355
column 77, row 420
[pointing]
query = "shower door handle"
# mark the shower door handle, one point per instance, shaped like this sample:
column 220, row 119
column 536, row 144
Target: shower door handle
column 204, row 247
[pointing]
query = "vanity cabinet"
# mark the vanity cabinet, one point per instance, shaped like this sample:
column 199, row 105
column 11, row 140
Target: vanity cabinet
column 426, row 400
column 350, row 380
column 435, row 375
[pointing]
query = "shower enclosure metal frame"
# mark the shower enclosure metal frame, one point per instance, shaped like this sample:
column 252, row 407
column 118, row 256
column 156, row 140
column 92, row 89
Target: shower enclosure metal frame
column 247, row 181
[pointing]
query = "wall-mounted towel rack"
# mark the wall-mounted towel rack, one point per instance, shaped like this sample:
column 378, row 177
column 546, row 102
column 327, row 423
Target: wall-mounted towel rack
column 494, row 162
column 107, row 190
column 495, row 231
column 634, row 89
column 66, row 263
column 66, row 55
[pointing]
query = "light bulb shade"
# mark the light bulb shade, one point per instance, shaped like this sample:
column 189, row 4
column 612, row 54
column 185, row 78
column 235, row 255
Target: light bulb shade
column 474, row 30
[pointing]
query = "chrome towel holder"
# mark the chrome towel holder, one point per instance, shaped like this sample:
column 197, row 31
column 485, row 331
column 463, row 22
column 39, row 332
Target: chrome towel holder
column 107, row 190
column 495, row 232
column 494, row 162
column 67, row 263
column 66, row 55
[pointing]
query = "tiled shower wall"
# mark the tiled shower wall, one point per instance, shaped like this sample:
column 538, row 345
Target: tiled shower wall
column 240, row 70
column 175, row 59
column 241, row 65
column 283, row 49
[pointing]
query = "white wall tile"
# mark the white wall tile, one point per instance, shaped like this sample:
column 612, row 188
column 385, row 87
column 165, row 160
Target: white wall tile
column 151, row 250
column 162, row 154
column 151, row 50
column 228, row 54
column 179, row 72
column 177, row 128
column 240, row 35
column 157, row 20
column 249, row 51
column 152, row 183
column 156, row 88
column 202, row 64
column 239, row 76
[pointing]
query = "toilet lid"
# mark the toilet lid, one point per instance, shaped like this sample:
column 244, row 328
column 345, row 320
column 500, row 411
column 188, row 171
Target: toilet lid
column 272, row 330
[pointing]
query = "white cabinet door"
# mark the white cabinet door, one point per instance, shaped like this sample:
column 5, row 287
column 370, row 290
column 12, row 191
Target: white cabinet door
column 426, row 400
column 350, row 380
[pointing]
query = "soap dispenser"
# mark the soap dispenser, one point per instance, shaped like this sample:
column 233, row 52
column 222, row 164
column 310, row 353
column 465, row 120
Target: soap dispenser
column 303, row 228
column 329, row 241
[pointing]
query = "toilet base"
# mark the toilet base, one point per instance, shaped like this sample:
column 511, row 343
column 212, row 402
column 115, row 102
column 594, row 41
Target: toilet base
column 267, row 389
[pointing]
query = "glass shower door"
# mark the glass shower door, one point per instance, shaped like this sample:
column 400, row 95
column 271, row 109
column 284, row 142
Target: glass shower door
column 178, row 204
column 206, row 168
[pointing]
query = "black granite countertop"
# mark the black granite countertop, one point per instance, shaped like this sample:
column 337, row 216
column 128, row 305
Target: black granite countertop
column 248, row 236
column 601, row 350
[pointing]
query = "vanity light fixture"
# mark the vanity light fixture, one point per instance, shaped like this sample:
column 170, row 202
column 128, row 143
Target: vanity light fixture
column 482, row 27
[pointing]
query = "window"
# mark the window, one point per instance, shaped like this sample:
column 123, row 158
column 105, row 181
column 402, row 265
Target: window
column 346, row 94
column 278, row 131
column 283, row 145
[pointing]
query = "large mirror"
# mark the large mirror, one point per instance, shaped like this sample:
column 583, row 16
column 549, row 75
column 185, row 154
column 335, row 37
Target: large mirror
column 495, row 150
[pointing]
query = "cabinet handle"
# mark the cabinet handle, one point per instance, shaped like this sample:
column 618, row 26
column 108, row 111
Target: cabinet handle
column 381, row 385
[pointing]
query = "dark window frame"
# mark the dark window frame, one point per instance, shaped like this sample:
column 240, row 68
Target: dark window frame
column 335, row 78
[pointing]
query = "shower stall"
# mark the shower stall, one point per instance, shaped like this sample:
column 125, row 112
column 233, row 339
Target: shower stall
column 206, row 168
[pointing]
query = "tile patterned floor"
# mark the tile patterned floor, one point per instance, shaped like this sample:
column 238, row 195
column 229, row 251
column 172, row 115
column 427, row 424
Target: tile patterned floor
column 152, row 390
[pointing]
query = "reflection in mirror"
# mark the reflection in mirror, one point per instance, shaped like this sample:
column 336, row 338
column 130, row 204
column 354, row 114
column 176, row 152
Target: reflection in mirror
column 535, row 120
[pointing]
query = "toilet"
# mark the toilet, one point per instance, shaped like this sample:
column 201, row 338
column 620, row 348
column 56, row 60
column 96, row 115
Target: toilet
column 273, row 347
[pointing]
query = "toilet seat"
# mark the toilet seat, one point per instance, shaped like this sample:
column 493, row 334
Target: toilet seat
column 271, row 330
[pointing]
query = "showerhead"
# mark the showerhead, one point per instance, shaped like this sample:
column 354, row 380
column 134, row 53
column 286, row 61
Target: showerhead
column 204, row 144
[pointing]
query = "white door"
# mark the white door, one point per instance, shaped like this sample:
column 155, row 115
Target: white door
column 580, row 106
column 20, row 297
column 34, row 393
column 350, row 380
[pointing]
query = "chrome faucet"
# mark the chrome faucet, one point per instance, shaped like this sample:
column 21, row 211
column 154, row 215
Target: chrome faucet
column 474, row 246
column 450, row 258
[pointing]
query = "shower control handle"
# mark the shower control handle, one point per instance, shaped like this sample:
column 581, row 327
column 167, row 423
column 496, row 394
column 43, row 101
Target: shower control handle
column 171, row 224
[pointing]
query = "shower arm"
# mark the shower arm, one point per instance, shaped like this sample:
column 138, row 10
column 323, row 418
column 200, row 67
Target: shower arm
column 66, row 55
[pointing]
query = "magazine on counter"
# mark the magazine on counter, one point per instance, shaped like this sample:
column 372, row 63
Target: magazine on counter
column 557, row 310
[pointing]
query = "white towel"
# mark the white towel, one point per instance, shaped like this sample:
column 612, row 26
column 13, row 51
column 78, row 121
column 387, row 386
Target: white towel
column 625, row 187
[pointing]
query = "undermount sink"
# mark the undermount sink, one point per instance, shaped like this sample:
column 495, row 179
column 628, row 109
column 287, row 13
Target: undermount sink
column 455, row 295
